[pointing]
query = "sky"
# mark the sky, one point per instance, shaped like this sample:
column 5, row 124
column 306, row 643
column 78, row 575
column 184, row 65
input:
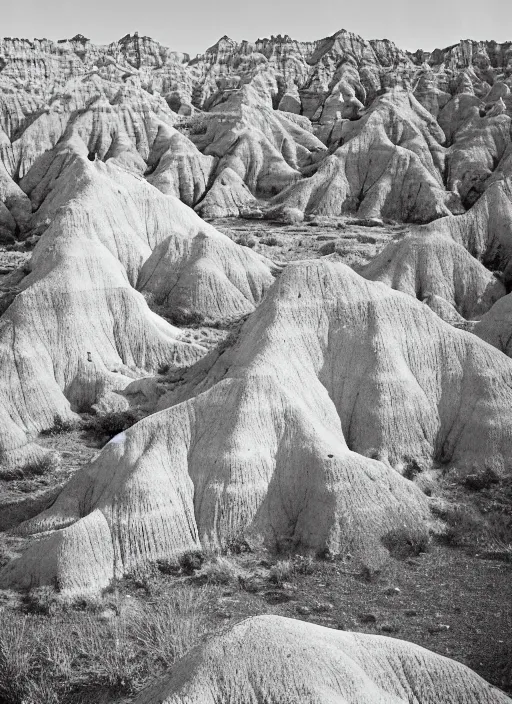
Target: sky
column 193, row 25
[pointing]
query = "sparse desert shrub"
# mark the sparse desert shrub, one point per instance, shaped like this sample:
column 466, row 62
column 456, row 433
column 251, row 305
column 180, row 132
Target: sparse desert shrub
column 402, row 544
column 9, row 474
column 327, row 248
column 304, row 564
column 167, row 632
column 281, row 572
column 370, row 573
column 111, row 424
column 60, row 425
column 42, row 465
column 412, row 467
column 463, row 526
column 182, row 316
column 168, row 567
column 41, row 600
column 220, row 570
column 481, row 480
column 37, row 467
column 191, row 561
column 246, row 240
column 237, row 545
column 271, row 241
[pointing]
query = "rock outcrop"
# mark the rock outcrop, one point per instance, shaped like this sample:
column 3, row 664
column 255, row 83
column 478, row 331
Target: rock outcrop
column 315, row 664
column 78, row 330
column 296, row 434
column 339, row 124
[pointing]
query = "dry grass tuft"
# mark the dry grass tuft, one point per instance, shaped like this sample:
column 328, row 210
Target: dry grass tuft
column 52, row 660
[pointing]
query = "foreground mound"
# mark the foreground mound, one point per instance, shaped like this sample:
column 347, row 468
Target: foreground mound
column 276, row 659
column 271, row 438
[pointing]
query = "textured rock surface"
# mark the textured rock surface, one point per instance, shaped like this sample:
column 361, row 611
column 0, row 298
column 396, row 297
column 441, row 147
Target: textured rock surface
column 409, row 136
column 316, row 665
column 109, row 231
column 109, row 155
column 274, row 437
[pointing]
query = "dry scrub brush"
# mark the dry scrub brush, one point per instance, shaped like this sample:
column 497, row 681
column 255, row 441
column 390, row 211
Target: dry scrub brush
column 53, row 660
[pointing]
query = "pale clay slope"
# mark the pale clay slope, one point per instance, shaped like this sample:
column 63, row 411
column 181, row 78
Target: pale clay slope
column 448, row 262
column 361, row 127
column 317, row 665
column 271, row 438
column 108, row 228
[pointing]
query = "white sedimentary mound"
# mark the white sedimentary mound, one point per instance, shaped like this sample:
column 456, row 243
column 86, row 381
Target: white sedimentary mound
column 432, row 267
column 315, row 665
column 78, row 330
column 274, row 437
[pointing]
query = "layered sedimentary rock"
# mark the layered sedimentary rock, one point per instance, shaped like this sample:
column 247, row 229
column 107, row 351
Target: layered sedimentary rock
column 336, row 382
column 390, row 166
column 431, row 131
column 296, row 433
column 316, row 664
column 76, row 329
column 433, row 267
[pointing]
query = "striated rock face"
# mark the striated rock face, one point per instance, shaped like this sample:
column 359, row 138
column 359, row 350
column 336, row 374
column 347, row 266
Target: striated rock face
column 107, row 236
column 300, row 430
column 431, row 131
column 321, row 665
column 274, row 438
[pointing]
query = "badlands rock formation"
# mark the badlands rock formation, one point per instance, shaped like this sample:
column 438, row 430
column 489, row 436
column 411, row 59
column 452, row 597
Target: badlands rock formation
column 110, row 235
column 300, row 430
column 296, row 434
column 330, row 126
column 316, row 665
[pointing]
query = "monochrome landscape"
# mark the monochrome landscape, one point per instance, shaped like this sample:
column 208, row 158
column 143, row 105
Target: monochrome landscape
column 255, row 372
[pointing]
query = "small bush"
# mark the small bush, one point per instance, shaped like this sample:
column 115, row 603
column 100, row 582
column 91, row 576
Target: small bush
column 327, row 248
column 36, row 468
column 182, row 316
column 402, row 543
column 41, row 466
column 9, row 474
column 281, row 572
column 246, row 241
column 167, row 632
column 481, row 480
column 168, row 567
column 60, row 425
column 271, row 241
column 237, row 545
column 111, row 424
column 164, row 369
column 463, row 526
column 220, row 571
column 412, row 467
column 41, row 600
column 191, row 561
column 304, row 564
